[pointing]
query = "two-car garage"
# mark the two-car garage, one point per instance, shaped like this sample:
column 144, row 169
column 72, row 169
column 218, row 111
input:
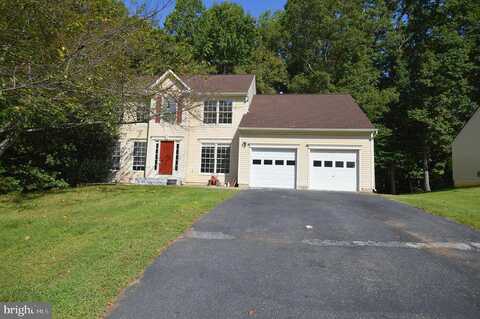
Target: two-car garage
column 334, row 170
column 306, row 142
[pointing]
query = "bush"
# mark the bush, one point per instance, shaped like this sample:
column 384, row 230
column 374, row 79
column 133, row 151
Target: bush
column 9, row 184
column 58, row 158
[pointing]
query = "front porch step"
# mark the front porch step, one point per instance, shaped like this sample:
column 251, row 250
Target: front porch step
column 157, row 181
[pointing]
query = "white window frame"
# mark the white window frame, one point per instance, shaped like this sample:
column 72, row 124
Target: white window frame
column 215, row 158
column 117, row 156
column 218, row 105
column 133, row 157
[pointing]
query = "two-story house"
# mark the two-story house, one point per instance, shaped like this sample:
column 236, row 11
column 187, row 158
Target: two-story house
column 216, row 125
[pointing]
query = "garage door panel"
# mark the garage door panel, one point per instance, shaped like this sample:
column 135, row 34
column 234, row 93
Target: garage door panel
column 333, row 170
column 272, row 168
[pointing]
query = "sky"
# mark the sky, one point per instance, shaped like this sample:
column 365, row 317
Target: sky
column 254, row 7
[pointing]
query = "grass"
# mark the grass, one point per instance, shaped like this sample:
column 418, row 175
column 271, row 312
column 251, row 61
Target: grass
column 461, row 204
column 77, row 249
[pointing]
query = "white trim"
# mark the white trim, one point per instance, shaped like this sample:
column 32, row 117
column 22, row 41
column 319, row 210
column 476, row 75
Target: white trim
column 307, row 129
column 231, row 94
column 214, row 139
column 169, row 72
column 215, row 145
column 175, row 173
column 294, row 150
column 217, row 113
column 167, row 138
column 270, row 145
column 357, row 164
column 333, row 147
column 372, row 156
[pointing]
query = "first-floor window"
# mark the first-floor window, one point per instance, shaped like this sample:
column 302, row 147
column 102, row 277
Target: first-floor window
column 215, row 158
column 223, row 159
column 116, row 156
column 139, row 156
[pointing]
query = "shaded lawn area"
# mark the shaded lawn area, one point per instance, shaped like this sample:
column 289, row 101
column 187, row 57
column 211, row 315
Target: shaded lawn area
column 461, row 204
column 77, row 249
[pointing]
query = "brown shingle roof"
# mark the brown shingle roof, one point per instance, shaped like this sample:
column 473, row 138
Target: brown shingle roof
column 219, row 83
column 305, row 112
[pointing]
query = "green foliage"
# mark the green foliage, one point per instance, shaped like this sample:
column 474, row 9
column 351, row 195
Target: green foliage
column 432, row 72
column 334, row 47
column 7, row 183
column 225, row 37
column 56, row 158
column 270, row 71
column 413, row 66
column 160, row 52
column 77, row 248
column 461, row 205
column 183, row 22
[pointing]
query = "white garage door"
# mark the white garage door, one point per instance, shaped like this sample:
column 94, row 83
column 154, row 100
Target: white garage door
column 333, row 170
column 272, row 168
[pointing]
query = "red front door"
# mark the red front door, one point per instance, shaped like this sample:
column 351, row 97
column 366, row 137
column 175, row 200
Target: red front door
column 166, row 158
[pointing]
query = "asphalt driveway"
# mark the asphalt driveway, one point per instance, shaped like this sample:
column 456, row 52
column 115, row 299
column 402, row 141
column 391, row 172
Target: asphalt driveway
column 363, row 257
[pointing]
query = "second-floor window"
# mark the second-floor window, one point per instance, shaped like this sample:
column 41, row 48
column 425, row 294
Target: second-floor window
column 217, row 112
column 170, row 110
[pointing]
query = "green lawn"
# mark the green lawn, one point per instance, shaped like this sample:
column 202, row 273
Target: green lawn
column 461, row 205
column 78, row 248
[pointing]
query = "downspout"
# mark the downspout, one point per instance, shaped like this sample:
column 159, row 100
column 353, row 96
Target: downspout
column 146, row 156
column 372, row 149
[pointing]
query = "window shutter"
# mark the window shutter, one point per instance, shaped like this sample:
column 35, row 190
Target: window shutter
column 158, row 108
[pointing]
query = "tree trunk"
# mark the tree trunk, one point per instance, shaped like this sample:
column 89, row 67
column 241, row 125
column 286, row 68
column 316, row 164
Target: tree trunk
column 393, row 188
column 410, row 185
column 426, row 170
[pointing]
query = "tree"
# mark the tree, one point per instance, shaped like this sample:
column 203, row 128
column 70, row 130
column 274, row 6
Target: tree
column 160, row 52
column 334, row 47
column 267, row 61
column 226, row 37
column 438, row 98
column 183, row 22
column 270, row 71
column 71, row 74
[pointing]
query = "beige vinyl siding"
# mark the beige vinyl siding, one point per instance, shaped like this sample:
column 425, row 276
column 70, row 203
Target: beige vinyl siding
column 199, row 133
column 190, row 134
column 303, row 142
column 466, row 154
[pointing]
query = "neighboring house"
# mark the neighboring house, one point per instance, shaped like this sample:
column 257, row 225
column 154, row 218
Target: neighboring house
column 466, row 154
column 321, row 142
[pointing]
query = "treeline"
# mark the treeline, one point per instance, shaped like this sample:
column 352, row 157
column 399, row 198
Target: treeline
column 413, row 66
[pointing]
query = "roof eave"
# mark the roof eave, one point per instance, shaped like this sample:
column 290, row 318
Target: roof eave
column 167, row 73
column 244, row 128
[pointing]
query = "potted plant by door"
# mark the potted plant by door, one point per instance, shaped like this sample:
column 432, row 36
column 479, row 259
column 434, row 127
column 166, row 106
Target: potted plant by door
column 213, row 181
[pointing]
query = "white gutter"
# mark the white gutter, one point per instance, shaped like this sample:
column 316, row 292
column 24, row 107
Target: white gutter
column 372, row 150
column 371, row 130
